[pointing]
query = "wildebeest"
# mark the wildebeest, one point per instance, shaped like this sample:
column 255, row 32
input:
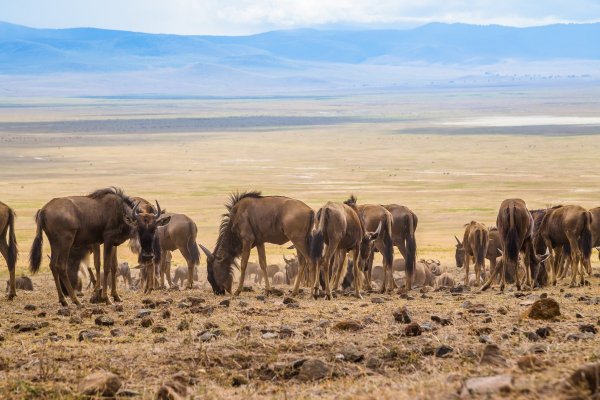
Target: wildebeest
column 251, row 221
column 339, row 227
column 445, row 280
column 278, row 278
column 179, row 234
column 568, row 225
column 181, row 275
column 291, row 268
column 375, row 216
column 404, row 225
column 515, row 226
column 422, row 275
column 8, row 245
column 21, row 283
column 475, row 245
column 272, row 269
column 595, row 227
column 105, row 216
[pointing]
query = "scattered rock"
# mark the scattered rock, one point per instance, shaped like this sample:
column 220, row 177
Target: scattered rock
column 143, row 313
column 529, row 362
column 580, row 336
column 238, row 381
column 588, row 328
column 441, row 321
column 64, row 311
column 377, row 300
column 289, row 300
column 75, row 319
column 207, row 336
column 402, row 315
column 146, row 322
column 587, row 378
column 324, row 323
column 352, row 353
column 116, row 332
column 183, row 325
column 270, row 335
column 314, row 369
column 176, row 388
column 443, row 351
column 29, row 327
column 286, row 332
column 225, row 303
column 118, row 307
column 100, row 383
column 89, row 335
column 30, row 307
column 104, row 320
column 348, row 325
column 159, row 329
column 485, row 339
column 492, row 355
column 532, row 336
column 545, row 309
column 166, row 314
column 502, row 310
column 276, row 292
column 543, row 332
column 487, row 384
column 413, row 329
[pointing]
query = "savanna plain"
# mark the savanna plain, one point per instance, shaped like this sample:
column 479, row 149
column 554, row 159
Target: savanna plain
column 451, row 155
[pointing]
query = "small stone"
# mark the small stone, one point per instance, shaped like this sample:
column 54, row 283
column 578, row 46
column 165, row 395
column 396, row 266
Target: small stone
column 166, row 314
column 118, row 307
column 377, row 300
column 578, row 315
column 104, row 320
column 502, row 310
column 587, row 378
column 64, row 311
column 286, row 332
column 238, row 381
column 443, row 351
column 580, row 336
column 225, row 303
column 413, row 329
column 89, row 335
column 207, row 336
column 545, row 309
column 100, row 383
column 159, row 329
column 529, row 362
column 441, row 321
column 532, row 336
column 116, row 332
column 352, row 353
column 29, row 327
column 543, row 332
column 402, row 315
column 75, row 319
column 143, row 313
column 270, row 335
column 488, row 385
column 314, row 369
column 183, row 325
column 588, row 328
column 492, row 355
column 289, row 300
column 485, row 339
column 30, row 307
column 348, row 325
column 374, row 362
column 324, row 323
column 146, row 322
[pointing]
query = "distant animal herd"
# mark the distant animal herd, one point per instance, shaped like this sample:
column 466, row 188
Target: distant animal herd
column 532, row 248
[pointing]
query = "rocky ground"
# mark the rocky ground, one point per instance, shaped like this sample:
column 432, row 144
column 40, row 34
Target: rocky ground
column 422, row 344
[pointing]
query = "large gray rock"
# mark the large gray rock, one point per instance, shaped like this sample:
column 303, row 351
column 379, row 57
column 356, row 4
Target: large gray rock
column 100, row 383
column 487, row 384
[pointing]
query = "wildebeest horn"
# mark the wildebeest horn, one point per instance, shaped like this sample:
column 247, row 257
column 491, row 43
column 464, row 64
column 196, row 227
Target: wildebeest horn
column 598, row 248
column 291, row 247
column 501, row 252
column 135, row 208
column 158, row 212
column 457, row 241
column 206, row 251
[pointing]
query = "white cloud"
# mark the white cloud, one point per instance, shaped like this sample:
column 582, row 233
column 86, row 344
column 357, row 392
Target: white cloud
column 249, row 16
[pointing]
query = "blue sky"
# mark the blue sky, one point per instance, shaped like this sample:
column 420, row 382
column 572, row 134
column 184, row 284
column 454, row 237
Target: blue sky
column 234, row 17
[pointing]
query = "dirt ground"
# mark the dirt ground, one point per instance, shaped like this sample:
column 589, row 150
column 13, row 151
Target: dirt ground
column 423, row 150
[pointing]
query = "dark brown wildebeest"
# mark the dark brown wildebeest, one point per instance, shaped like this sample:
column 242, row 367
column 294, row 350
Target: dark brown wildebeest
column 339, row 227
column 179, row 234
column 251, row 221
column 404, row 225
column 475, row 245
column 8, row 248
column 375, row 216
column 596, row 228
column 515, row 226
column 105, row 216
column 21, row 283
column 494, row 251
column 568, row 225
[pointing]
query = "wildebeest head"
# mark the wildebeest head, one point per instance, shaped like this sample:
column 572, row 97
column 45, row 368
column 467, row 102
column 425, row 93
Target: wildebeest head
column 218, row 270
column 366, row 245
column 459, row 253
column 145, row 225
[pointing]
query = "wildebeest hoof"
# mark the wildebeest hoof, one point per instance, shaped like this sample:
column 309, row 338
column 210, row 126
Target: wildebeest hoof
column 64, row 303
column 117, row 298
column 11, row 296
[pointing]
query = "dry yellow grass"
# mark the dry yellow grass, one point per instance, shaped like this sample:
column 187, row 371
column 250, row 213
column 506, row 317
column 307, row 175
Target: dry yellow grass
column 399, row 153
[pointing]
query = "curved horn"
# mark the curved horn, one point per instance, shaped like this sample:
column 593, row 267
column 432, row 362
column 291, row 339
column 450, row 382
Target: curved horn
column 457, row 241
column 158, row 212
column 378, row 230
column 501, row 252
column 135, row 208
column 206, row 251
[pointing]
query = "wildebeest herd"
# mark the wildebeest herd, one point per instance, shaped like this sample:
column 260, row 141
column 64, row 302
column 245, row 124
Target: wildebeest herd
column 543, row 244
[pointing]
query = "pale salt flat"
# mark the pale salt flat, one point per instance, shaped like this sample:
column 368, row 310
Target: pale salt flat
column 524, row 120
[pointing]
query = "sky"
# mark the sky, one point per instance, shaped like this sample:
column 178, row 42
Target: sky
column 240, row 17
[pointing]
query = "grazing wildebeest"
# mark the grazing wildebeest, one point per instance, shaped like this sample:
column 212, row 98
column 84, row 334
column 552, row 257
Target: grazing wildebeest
column 404, row 226
column 181, row 275
column 179, row 234
column 373, row 216
column 515, row 226
column 568, row 225
column 291, row 268
column 494, row 250
column 251, row 221
column 21, row 283
column 8, row 248
column 475, row 245
column 339, row 227
column 105, row 216
column 272, row 269
column 595, row 227
column 445, row 280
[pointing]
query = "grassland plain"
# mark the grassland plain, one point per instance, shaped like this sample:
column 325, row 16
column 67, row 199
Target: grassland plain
column 385, row 148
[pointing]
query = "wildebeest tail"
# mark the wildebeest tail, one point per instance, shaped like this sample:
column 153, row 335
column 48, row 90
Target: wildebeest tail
column 194, row 252
column 35, row 254
column 411, row 246
column 512, row 237
column 480, row 247
column 317, row 241
column 585, row 240
column 12, row 241
column 388, row 244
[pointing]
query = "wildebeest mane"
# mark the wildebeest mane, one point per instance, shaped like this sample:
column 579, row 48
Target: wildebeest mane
column 98, row 194
column 229, row 245
column 351, row 202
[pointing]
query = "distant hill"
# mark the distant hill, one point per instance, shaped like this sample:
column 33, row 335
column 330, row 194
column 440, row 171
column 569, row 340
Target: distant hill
column 105, row 62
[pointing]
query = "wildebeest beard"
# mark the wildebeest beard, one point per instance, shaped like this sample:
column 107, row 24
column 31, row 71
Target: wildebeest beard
column 150, row 245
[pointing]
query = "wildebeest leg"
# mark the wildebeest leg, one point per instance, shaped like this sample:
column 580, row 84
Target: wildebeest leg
column 53, row 268
column 492, row 266
column 323, row 267
column 191, row 266
column 262, row 261
column 113, row 275
column 357, row 274
column 341, row 261
column 493, row 275
column 4, row 251
column 574, row 257
column 61, row 267
column 467, row 260
column 367, row 272
column 299, row 277
column 107, row 272
column 246, row 247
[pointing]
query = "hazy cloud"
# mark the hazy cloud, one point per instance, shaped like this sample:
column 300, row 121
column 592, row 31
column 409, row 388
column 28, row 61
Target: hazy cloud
column 249, row 16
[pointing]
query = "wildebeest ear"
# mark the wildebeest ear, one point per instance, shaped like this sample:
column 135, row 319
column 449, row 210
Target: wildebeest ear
column 163, row 221
column 130, row 221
